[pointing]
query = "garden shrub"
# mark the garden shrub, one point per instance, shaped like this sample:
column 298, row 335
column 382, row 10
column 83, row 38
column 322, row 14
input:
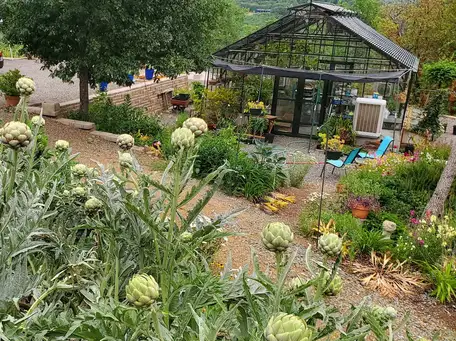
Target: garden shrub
column 440, row 74
column 120, row 119
column 374, row 222
column 365, row 241
column 214, row 150
column 181, row 118
column 299, row 168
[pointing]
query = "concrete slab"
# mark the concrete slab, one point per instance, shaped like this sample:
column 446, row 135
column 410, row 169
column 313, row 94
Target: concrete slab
column 51, row 109
column 105, row 136
column 77, row 124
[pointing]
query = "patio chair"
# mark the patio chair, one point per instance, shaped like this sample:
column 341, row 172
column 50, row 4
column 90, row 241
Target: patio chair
column 380, row 151
column 341, row 164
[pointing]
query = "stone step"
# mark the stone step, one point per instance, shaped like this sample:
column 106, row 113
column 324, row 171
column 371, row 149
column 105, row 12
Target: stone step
column 105, row 136
column 77, row 124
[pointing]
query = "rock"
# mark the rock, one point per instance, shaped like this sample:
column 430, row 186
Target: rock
column 388, row 228
column 90, row 140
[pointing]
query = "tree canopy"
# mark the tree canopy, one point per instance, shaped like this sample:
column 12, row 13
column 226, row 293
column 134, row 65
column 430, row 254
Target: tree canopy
column 105, row 40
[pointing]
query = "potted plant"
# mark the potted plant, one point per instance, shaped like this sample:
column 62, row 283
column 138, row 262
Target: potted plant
column 258, row 125
column 8, row 86
column 362, row 205
column 149, row 72
column 335, row 146
column 255, row 108
column 181, row 94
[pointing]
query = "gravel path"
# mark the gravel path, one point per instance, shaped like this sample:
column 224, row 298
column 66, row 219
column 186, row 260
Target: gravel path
column 48, row 89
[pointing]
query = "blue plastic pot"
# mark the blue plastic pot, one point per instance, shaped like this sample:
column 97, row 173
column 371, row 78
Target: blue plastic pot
column 104, row 86
column 132, row 78
column 149, row 74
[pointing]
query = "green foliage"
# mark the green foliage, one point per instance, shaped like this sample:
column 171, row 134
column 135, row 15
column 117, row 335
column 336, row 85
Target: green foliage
column 164, row 136
column 8, row 82
column 299, row 168
column 444, row 279
column 181, row 118
column 215, row 149
column 258, row 125
column 337, row 125
column 257, row 174
column 436, row 107
column 221, row 104
column 374, row 222
column 439, row 75
column 121, row 119
column 365, row 241
column 139, row 34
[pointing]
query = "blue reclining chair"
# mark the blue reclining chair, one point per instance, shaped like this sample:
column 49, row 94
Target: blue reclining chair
column 380, row 151
column 341, row 164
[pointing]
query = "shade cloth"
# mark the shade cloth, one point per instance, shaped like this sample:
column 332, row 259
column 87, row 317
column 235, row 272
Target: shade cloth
column 390, row 76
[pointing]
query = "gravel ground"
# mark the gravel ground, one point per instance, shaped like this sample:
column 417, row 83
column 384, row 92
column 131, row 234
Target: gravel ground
column 48, row 89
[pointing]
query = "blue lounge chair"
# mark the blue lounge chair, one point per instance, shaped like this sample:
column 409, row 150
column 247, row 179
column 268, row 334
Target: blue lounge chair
column 380, row 151
column 341, row 164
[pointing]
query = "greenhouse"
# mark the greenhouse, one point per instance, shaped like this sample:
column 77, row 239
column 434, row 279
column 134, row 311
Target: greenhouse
column 322, row 59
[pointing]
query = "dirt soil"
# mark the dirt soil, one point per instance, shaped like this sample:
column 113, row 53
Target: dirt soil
column 427, row 316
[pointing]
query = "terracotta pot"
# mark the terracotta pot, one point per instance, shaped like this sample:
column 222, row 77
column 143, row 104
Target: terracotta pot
column 12, row 101
column 360, row 212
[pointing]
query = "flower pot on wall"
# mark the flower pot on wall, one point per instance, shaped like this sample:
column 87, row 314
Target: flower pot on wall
column 12, row 101
column 149, row 74
column 360, row 212
column 104, row 86
column 333, row 155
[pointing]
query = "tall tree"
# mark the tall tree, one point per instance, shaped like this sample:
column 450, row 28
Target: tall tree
column 368, row 10
column 105, row 40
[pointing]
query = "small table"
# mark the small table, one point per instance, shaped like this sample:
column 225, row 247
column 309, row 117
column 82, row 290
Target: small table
column 271, row 122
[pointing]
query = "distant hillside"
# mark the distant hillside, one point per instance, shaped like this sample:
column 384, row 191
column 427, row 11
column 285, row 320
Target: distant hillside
column 278, row 7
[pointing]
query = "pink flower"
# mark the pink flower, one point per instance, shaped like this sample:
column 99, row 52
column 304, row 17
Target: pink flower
column 414, row 221
column 412, row 213
column 421, row 242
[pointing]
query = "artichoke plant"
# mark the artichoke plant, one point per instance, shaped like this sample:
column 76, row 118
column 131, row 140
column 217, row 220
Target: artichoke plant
column 16, row 134
column 125, row 141
column 80, row 170
column 285, row 327
column 296, row 283
column 38, row 121
column 125, row 160
column 383, row 315
column 142, row 290
column 93, row 205
column 277, row 237
column 330, row 244
column 79, row 192
column 182, row 138
column 62, row 145
column 25, row 86
column 186, row 236
column 335, row 287
column 197, row 125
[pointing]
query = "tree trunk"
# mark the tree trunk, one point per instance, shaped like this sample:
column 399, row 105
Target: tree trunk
column 84, row 91
column 437, row 203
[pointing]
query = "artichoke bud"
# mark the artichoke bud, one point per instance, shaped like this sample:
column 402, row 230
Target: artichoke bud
column 16, row 134
column 277, row 237
column 25, row 86
column 80, row 170
column 125, row 160
column 38, row 121
column 197, row 125
column 125, row 141
column 182, row 138
column 93, row 205
column 285, row 327
column 62, row 145
column 330, row 244
column 142, row 290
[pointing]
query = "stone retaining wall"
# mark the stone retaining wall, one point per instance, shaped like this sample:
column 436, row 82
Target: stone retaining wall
column 154, row 97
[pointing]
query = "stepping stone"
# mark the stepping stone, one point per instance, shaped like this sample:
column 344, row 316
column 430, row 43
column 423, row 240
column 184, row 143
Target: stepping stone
column 77, row 124
column 105, row 136
column 51, row 109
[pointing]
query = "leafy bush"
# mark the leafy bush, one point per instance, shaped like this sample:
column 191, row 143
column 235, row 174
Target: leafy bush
column 121, row 119
column 375, row 221
column 337, row 125
column 222, row 104
column 298, row 169
column 8, row 82
column 181, row 118
column 214, row 150
column 444, row 279
column 440, row 74
column 365, row 241
column 436, row 107
column 249, row 178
